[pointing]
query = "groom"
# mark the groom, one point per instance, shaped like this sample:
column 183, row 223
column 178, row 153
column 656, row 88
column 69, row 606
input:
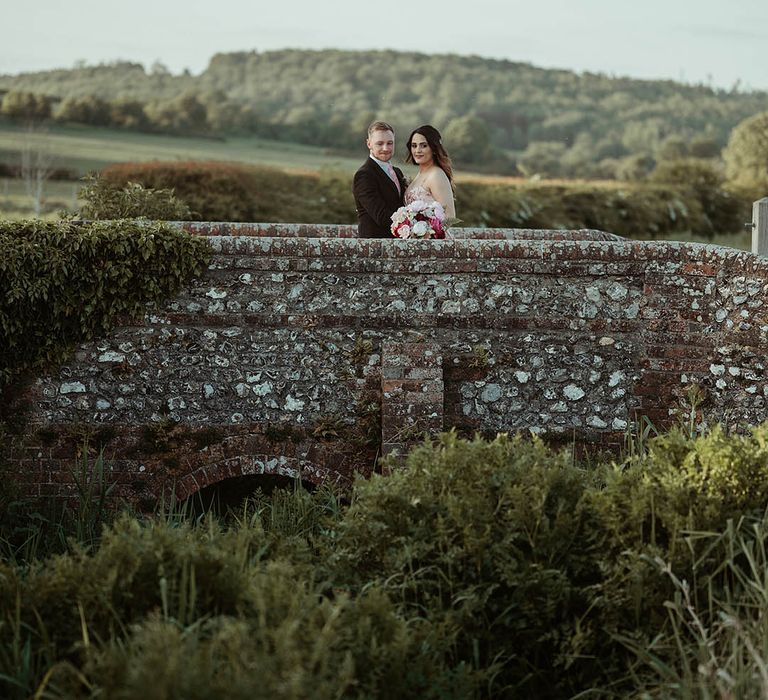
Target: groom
column 378, row 187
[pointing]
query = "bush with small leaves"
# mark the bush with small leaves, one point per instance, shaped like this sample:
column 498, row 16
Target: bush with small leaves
column 104, row 200
column 703, row 182
column 487, row 540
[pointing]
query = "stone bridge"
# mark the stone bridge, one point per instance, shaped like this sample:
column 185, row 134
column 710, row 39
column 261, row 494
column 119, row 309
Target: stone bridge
column 308, row 353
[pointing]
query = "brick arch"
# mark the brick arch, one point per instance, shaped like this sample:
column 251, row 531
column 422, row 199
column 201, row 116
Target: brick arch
column 253, row 465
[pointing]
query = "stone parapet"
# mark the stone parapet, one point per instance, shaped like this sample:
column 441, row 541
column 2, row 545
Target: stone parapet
column 225, row 228
column 312, row 356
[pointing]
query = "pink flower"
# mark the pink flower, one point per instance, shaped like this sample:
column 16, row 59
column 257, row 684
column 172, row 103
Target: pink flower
column 419, row 219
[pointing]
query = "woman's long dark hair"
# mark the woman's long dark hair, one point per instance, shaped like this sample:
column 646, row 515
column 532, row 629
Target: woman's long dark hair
column 439, row 154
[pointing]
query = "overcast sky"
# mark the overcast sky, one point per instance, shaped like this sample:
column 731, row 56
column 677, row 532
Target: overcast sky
column 716, row 42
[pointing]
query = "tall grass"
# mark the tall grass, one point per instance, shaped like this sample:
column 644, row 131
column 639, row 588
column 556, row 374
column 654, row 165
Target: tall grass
column 34, row 529
column 716, row 645
column 481, row 569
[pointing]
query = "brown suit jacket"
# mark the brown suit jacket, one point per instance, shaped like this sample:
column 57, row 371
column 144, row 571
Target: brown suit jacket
column 376, row 199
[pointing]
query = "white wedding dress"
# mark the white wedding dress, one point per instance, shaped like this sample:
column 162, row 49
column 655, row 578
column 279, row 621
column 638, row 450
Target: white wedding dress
column 414, row 192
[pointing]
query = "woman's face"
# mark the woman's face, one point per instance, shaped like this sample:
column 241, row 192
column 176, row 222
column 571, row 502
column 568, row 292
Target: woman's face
column 420, row 150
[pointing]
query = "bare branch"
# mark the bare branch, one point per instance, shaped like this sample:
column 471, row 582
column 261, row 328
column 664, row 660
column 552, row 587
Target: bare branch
column 37, row 161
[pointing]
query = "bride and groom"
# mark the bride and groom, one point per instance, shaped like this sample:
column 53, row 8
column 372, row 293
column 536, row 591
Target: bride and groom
column 380, row 189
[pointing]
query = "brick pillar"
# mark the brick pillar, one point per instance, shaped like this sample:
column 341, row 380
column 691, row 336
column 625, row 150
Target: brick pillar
column 411, row 394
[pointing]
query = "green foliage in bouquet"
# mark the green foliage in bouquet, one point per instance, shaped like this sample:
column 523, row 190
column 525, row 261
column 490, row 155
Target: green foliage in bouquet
column 63, row 282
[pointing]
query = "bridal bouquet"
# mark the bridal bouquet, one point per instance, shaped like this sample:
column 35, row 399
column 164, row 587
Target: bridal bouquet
column 419, row 219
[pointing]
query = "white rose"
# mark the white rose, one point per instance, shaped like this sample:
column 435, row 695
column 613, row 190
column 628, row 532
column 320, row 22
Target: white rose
column 404, row 232
column 420, row 228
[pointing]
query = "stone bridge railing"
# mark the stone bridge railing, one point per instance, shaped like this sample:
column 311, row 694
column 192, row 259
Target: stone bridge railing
column 226, row 228
column 311, row 356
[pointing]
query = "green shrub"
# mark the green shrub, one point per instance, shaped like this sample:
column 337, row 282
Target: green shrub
column 746, row 155
column 633, row 210
column 104, row 200
column 539, row 566
column 235, row 192
column 62, row 283
column 487, row 569
column 684, row 485
column 486, row 539
column 293, row 645
column 183, row 572
column 182, row 611
column 702, row 180
column 231, row 192
column 669, row 505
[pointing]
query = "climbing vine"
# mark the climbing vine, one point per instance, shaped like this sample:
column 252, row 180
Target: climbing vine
column 62, row 282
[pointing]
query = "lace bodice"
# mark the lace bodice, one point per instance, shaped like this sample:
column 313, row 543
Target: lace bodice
column 414, row 192
column 418, row 192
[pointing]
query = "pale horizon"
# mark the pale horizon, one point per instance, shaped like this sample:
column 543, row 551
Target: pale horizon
column 708, row 42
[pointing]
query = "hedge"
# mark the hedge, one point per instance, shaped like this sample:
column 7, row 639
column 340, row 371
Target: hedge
column 234, row 192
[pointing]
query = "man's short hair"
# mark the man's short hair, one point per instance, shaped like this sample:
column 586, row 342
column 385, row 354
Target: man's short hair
column 380, row 126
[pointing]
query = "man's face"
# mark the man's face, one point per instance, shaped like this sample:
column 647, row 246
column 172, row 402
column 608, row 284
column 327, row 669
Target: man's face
column 381, row 144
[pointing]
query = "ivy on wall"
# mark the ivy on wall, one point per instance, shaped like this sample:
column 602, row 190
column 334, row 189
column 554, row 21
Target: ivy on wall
column 62, row 282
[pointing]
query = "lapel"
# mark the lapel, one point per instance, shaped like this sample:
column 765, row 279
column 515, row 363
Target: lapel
column 386, row 177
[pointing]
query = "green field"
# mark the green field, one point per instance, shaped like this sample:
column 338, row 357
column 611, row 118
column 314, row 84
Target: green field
column 16, row 204
column 85, row 149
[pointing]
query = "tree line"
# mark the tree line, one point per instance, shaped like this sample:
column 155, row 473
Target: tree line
column 501, row 115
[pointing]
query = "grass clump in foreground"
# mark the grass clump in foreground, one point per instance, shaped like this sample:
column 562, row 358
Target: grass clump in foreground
column 481, row 569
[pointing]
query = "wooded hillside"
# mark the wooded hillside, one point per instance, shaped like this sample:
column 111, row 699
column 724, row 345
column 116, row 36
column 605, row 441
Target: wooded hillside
column 547, row 121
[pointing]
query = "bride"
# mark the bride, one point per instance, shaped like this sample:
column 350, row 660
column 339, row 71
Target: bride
column 434, row 181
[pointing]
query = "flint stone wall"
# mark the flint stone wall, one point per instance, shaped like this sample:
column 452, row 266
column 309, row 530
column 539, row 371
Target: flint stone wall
column 309, row 356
